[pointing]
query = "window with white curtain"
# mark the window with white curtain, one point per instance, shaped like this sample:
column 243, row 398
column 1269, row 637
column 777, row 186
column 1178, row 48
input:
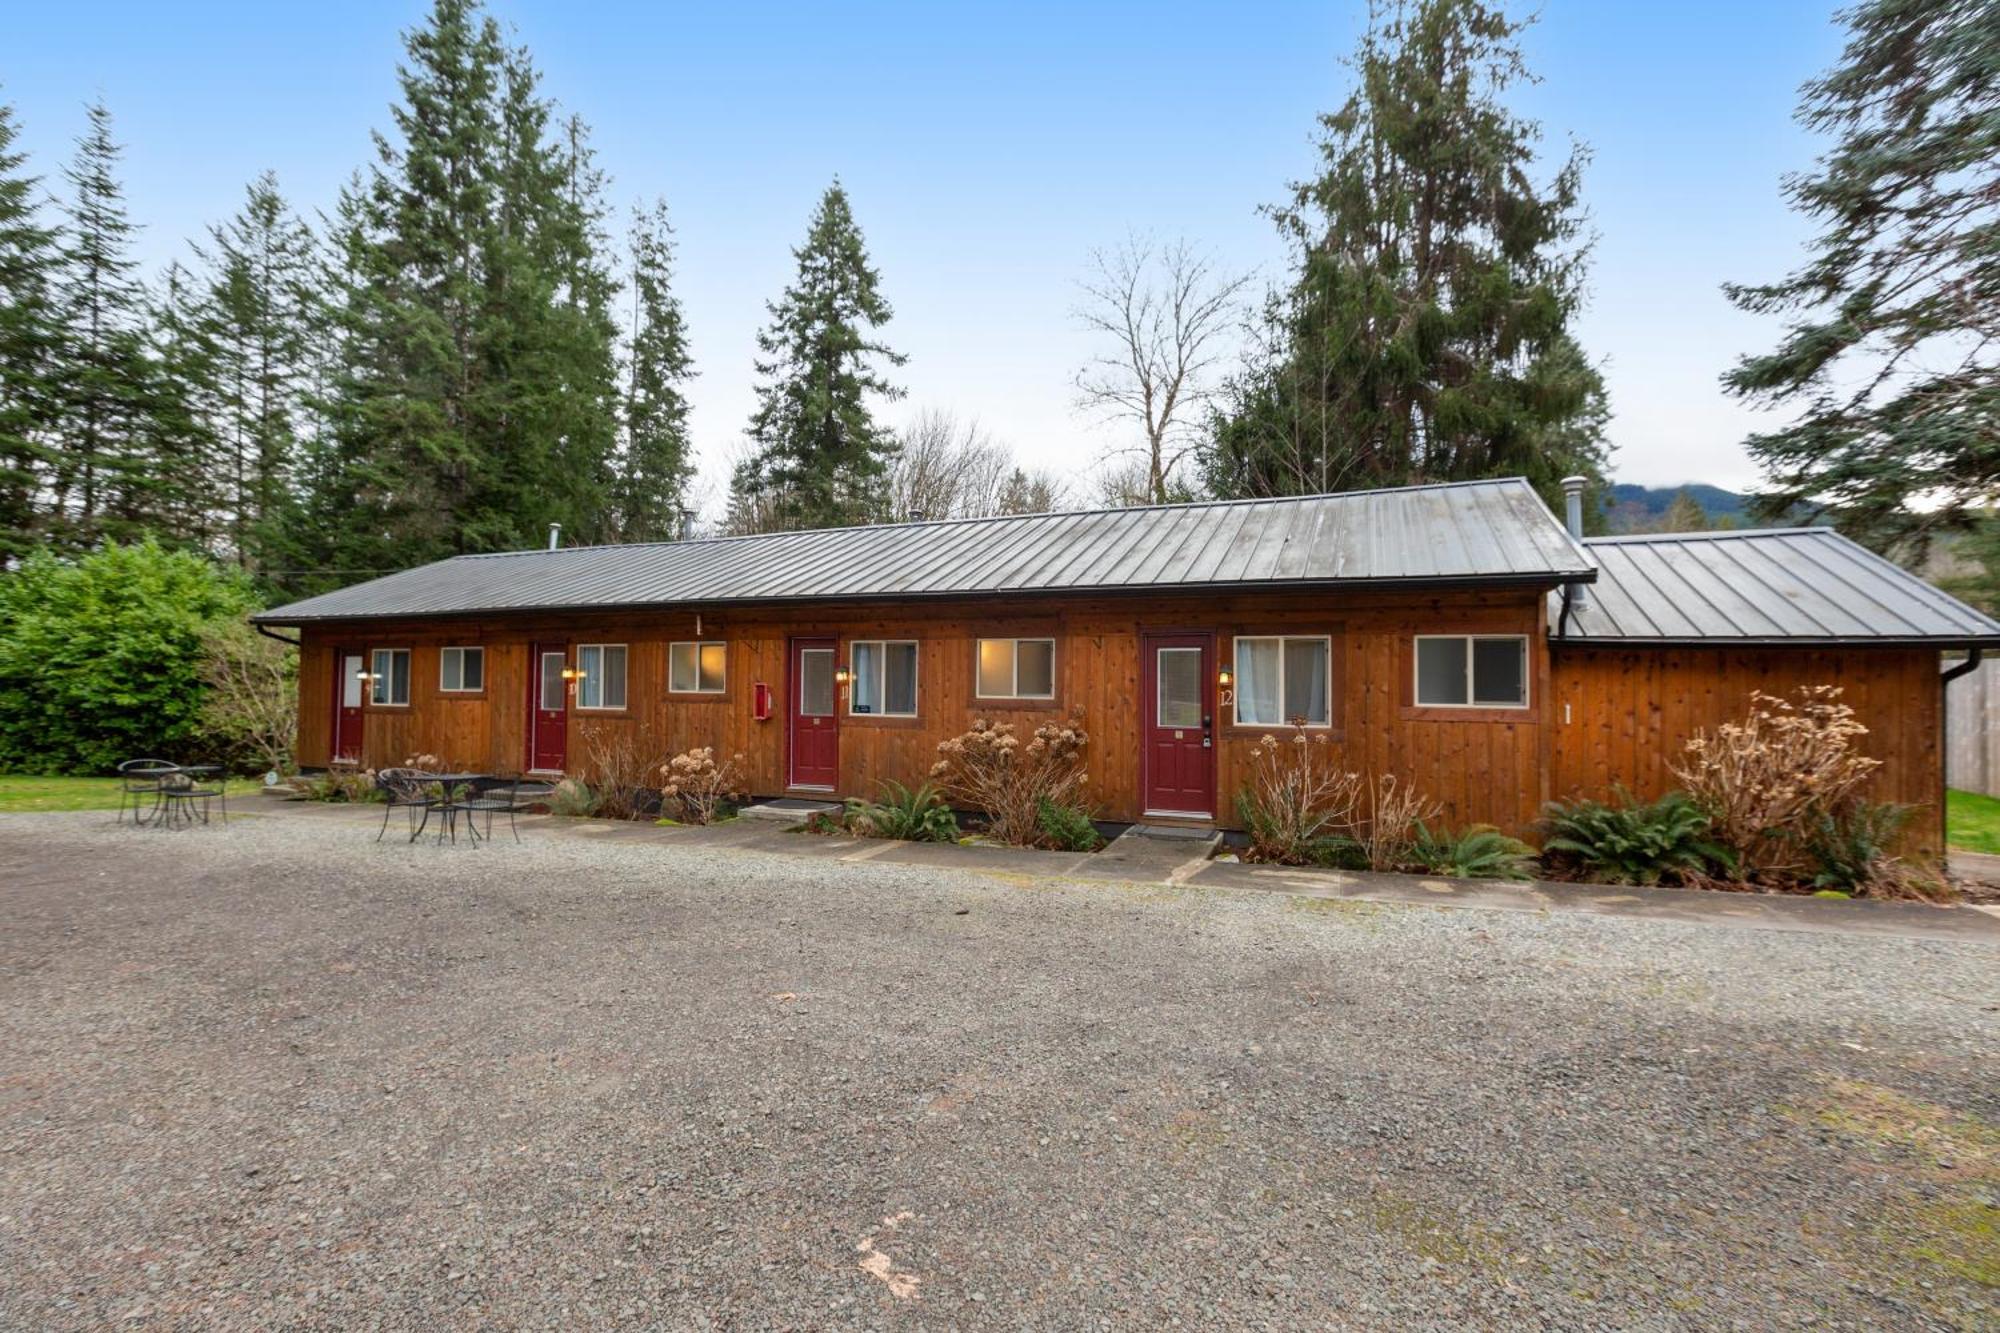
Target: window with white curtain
column 1472, row 670
column 884, row 677
column 389, row 679
column 1281, row 680
column 600, row 681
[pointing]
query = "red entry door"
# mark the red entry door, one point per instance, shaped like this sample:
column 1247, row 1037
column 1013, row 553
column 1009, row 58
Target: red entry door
column 814, row 715
column 347, row 687
column 548, row 707
column 1179, row 755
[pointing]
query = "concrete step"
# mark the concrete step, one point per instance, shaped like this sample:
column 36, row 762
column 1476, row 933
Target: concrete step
column 789, row 810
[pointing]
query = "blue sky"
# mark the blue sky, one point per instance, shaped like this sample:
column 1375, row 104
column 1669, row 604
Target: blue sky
column 987, row 150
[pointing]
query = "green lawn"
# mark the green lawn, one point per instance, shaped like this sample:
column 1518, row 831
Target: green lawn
column 27, row 795
column 1972, row 822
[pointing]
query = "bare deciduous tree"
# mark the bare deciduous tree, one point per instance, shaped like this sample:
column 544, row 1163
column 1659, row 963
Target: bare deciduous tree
column 945, row 468
column 1164, row 308
column 253, row 697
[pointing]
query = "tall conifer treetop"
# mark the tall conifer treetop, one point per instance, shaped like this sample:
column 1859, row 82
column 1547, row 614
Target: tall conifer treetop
column 1425, row 333
column 820, row 456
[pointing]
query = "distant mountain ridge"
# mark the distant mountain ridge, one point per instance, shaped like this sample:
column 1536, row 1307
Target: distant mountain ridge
column 1633, row 508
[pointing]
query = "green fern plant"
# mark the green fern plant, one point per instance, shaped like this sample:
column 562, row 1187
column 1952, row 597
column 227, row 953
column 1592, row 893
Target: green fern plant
column 1630, row 842
column 1066, row 828
column 1479, row 852
column 913, row 816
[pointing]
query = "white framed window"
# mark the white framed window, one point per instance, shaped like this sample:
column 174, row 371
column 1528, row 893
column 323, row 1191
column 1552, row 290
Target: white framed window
column 1016, row 669
column 389, row 678
column 462, row 670
column 1282, row 679
column 600, row 678
column 696, row 668
column 884, row 682
column 1472, row 670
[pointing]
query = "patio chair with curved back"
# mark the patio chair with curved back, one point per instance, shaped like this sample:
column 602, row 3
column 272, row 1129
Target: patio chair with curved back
column 409, row 789
column 499, row 796
column 186, row 793
column 139, row 785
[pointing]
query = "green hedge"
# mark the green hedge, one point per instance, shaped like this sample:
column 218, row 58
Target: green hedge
column 100, row 657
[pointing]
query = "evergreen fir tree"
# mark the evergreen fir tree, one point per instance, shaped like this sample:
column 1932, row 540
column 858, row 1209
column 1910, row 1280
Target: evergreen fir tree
column 29, row 400
column 820, row 456
column 657, row 461
column 182, row 497
column 259, row 320
column 1892, row 358
column 1425, row 334
column 102, row 476
column 1684, row 514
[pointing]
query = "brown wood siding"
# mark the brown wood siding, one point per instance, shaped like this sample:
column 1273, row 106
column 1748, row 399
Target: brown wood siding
column 1487, row 767
column 1624, row 715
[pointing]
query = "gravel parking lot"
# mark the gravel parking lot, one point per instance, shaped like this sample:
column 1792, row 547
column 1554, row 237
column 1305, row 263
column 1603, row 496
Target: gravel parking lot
column 276, row 1075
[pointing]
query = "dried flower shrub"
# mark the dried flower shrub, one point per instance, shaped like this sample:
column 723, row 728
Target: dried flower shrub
column 340, row 785
column 1769, row 779
column 990, row 770
column 699, row 785
column 1299, row 807
column 621, row 770
column 1397, row 818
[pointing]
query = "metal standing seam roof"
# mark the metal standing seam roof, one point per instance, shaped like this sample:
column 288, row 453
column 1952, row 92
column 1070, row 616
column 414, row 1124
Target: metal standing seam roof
column 1780, row 586
column 1482, row 531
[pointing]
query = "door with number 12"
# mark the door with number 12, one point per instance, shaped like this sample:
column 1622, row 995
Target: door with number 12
column 1179, row 733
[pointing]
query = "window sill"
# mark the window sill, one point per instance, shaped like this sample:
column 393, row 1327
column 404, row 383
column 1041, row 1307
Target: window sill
column 885, row 720
column 1009, row 703
column 581, row 711
column 1454, row 713
column 461, row 694
column 698, row 696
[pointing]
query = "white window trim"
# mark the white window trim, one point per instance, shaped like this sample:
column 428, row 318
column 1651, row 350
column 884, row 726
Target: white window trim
column 916, row 675
column 1014, row 670
column 1471, row 685
column 698, row 645
column 618, row 707
column 389, row 677
column 1236, row 666
column 461, row 649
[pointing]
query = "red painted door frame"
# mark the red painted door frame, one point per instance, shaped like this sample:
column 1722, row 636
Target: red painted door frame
column 1177, row 764
column 812, row 740
column 548, row 728
column 344, row 746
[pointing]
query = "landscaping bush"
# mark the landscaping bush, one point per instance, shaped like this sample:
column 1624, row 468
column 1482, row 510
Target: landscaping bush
column 573, row 797
column 251, row 703
column 1397, row 814
column 621, row 769
column 914, row 816
column 701, row 788
column 1785, row 768
column 989, row 771
column 1629, row 842
column 1852, row 850
column 1297, row 800
column 101, row 657
column 340, row 785
column 1065, row 828
column 1479, row 852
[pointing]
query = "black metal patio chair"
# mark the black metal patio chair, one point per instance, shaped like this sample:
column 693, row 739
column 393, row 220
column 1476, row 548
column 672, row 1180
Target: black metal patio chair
column 411, row 790
column 139, row 785
column 186, row 793
column 504, row 796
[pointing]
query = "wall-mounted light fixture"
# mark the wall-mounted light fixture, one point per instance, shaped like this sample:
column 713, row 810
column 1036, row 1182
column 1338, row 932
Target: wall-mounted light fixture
column 363, row 675
column 1225, row 678
column 571, row 673
column 840, row 675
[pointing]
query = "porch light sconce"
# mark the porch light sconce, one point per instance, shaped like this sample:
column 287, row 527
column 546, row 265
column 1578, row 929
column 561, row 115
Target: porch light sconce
column 571, row 673
column 363, row 675
column 840, row 675
column 1225, row 678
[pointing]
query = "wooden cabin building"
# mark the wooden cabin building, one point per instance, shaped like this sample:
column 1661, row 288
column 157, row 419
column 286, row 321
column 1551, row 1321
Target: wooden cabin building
column 1458, row 636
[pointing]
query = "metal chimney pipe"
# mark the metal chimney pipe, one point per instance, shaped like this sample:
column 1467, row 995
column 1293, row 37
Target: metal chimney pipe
column 555, row 535
column 687, row 522
column 1579, row 593
column 918, row 516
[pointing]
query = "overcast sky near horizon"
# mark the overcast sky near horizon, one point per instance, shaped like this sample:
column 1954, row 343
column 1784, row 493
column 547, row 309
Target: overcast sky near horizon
column 987, row 151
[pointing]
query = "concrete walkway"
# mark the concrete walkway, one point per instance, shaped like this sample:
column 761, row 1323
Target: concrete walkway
column 1186, row 864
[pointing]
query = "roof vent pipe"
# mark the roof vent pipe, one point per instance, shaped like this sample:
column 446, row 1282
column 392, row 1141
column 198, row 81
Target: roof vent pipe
column 555, row 535
column 917, row 516
column 1579, row 593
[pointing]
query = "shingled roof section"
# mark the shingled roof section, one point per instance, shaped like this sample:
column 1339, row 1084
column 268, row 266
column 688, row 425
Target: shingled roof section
column 1468, row 532
column 1794, row 586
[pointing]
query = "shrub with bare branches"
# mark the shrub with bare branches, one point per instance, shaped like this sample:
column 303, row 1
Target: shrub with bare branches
column 252, row 701
column 1299, row 807
column 1767, row 780
column 1398, row 816
column 699, row 785
column 989, row 770
column 621, row 769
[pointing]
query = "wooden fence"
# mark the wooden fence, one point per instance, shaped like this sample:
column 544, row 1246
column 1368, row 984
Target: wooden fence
column 1972, row 729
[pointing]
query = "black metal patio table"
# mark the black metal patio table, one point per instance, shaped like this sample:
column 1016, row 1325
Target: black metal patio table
column 448, row 808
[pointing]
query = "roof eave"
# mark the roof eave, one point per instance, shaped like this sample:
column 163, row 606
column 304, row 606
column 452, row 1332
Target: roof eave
column 1536, row 580
column 1939, row 642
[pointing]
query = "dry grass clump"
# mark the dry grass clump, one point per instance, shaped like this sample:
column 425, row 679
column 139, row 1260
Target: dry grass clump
column 991, row 771
column 1398, row 819
column 1299, row 806
column 621, row 771
column 701, row 786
